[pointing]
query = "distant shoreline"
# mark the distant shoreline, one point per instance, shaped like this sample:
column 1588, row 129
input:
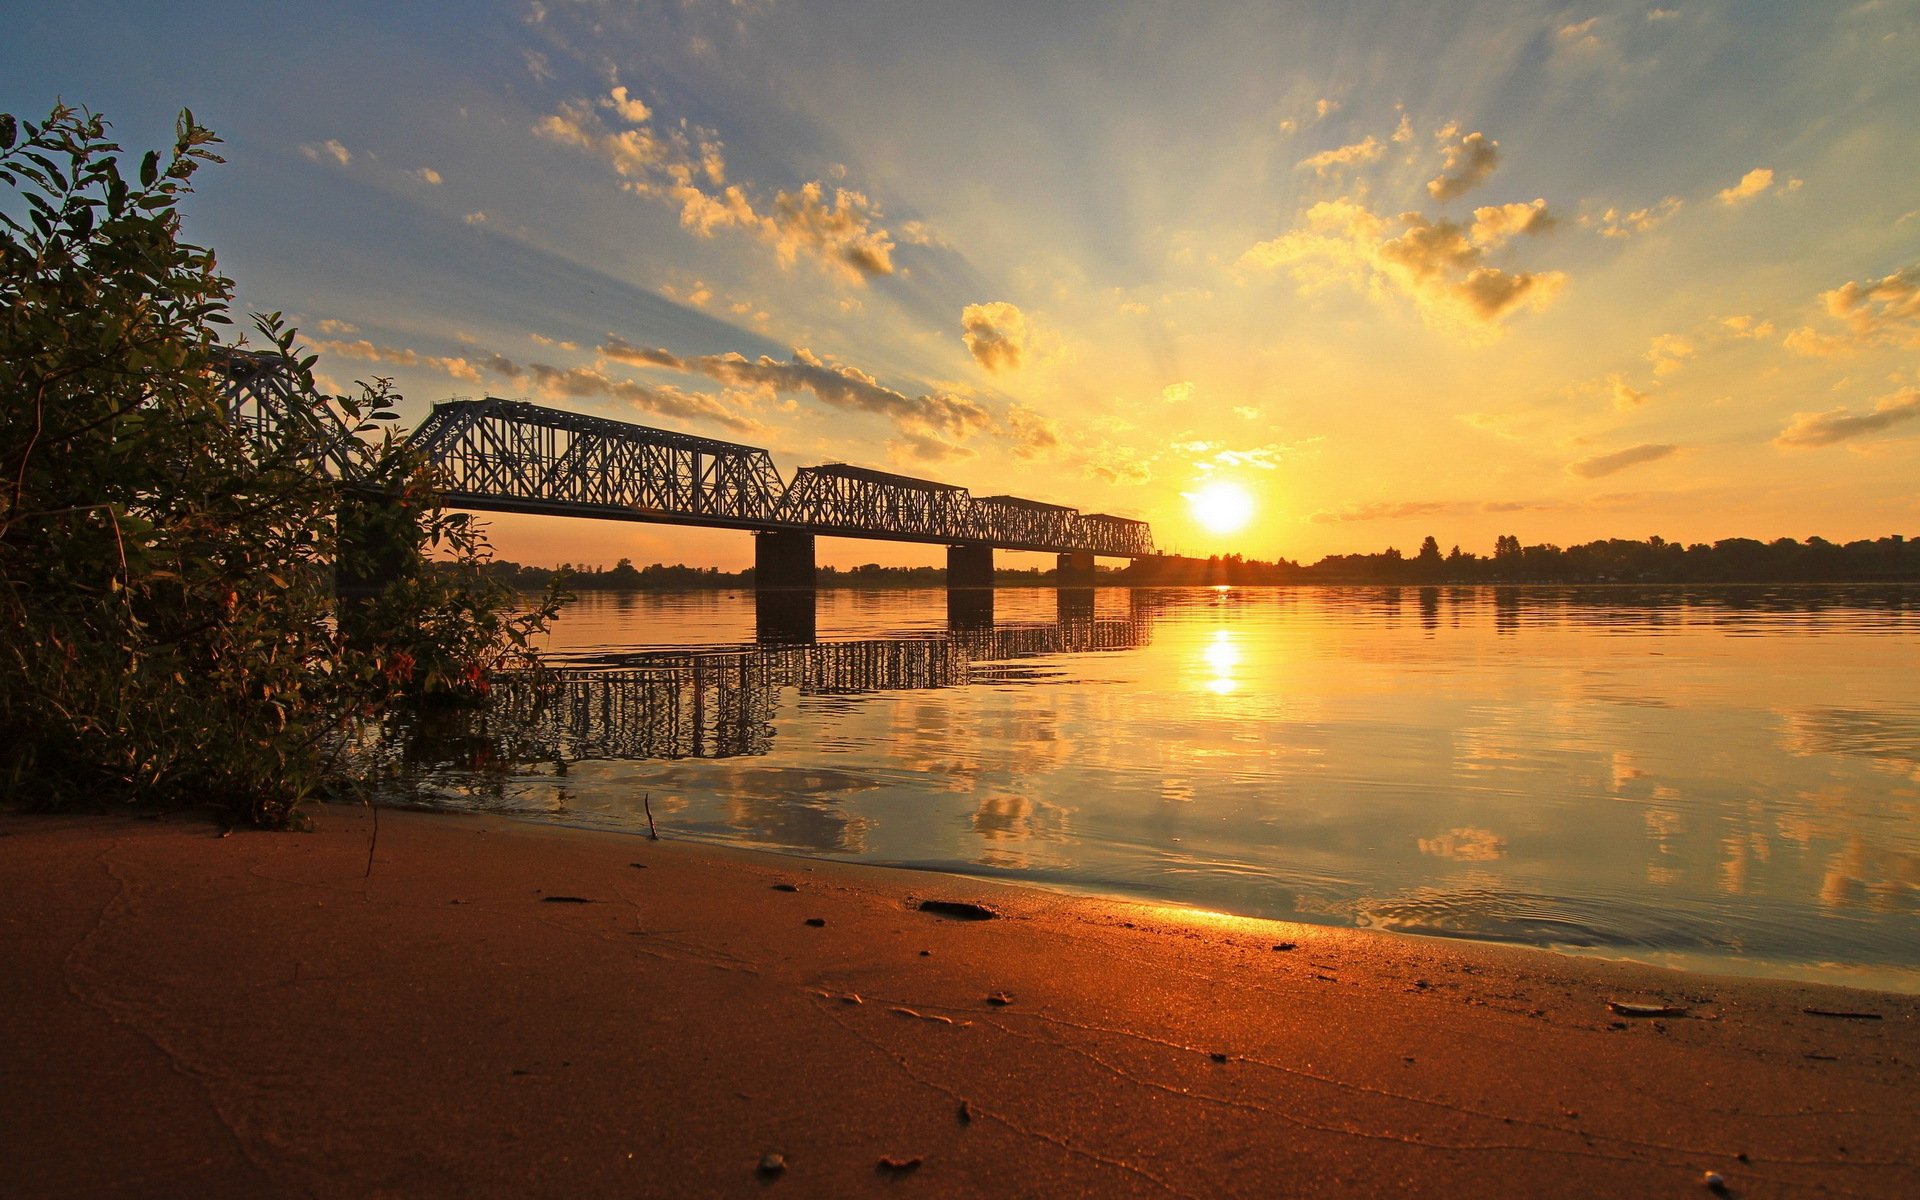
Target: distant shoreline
column 1894, row 559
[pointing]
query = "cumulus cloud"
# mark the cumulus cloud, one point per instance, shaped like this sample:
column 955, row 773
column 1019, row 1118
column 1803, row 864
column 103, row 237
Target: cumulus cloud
column 1177, row 393
column 1327, row 161
column 475, row 218
column 1031, row 434
column 1495, row 225
column 1839, row 424
column 1624, row 394
column 1117, row 464
column 996, row 334
column 329, row 149
column 335, row 328
column 400, row 356
column 641, row 356
column 839, row 228
column 1879, row 312
column 1381, row 512
column 1746, row 327
column 1755, row 183
column 1436, row 263
column 1668, row 352
column 1465, row 164
column 428, row 175
column 1615, row 223
column 1620, row 460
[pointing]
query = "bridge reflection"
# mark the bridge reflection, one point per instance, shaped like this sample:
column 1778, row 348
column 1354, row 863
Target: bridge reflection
column 721, row 701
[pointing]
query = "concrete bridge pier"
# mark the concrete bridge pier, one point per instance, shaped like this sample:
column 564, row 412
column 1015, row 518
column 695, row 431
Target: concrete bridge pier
column 969, row 567
column 1076, row 570
column 782, row 560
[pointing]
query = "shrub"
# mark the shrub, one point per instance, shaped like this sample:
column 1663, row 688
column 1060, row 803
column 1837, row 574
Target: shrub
column 166, row 612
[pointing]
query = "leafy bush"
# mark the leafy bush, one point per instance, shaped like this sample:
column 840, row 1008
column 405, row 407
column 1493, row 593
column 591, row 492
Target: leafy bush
column 167, row 628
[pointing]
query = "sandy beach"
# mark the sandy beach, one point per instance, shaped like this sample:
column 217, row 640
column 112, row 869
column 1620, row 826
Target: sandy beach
column 485, row 1007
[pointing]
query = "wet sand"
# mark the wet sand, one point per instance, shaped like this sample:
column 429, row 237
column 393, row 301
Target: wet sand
column 496, row 1008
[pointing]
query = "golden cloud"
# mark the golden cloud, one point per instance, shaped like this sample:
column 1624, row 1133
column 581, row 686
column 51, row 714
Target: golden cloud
column 1327, row 161
column 996, row 334
column 1465, row 164
column 1620, row 460
column 1839, row 424
column 1435, row 263
column 1880, row 312
column 841, row 229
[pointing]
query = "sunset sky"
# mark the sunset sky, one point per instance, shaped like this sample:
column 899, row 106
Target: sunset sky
column 1564, row 271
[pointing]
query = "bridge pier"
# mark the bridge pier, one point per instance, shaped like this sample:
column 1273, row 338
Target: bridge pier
column 1075, row 570
column 969, row 567
column 782, row 560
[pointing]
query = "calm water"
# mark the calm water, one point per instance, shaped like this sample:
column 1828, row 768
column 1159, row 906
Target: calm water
column 1726, row 778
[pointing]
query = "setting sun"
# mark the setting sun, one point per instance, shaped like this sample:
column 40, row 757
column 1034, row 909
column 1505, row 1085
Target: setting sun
column 1221, row 507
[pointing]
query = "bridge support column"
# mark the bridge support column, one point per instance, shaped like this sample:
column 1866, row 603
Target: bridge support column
column 782, row 560
column 969, row 567
column 1075, row 570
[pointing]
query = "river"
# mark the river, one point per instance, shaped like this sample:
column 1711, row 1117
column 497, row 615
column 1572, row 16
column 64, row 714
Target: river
column 1723, row 779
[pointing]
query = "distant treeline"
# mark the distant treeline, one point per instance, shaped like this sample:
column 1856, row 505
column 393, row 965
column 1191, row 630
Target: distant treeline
column 1615, row 560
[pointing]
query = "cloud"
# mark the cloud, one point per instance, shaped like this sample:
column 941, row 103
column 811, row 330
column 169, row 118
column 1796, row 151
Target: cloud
column 1747, row 327
column 428, row 175
column 1122, row 465
column 1177, row 393
column 1662, row 14
column 1879, row 312
column 1327, row 161
column 1497, row 224
column 618, row 350
column 1578, row 34
column 331, row 148
column 1754, row 183
column 328, row 325
column 1668, row 352
column 1465, row 164
column 400, row 356
column 1434, row 262
column 1620, row 460
column 1324, row 108
column 589, row 382
column 840, row 228
column 1615, row 224
column 996, row 334
column 475, row 218
column 1839, row 424
column 1381, row 512
column 1030, row 434
column 1625, row 396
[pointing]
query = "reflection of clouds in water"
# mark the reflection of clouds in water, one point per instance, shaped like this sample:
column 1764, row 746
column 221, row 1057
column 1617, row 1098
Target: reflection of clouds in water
column 1176, row 789
column 1466, row 845
column 1891, row 739
column 1011, row 824
column 1625, row 769
column 1859, row 875
column 792, row 807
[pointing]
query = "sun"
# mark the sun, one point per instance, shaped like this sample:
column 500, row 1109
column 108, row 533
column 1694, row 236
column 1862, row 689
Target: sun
column 1221, row 507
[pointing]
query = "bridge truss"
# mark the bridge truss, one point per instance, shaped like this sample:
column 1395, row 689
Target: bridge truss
column 513, row 456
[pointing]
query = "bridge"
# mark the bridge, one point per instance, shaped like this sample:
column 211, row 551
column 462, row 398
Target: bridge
column 497, row 455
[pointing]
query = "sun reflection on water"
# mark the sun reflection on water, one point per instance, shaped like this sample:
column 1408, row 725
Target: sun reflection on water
column 1222, row 656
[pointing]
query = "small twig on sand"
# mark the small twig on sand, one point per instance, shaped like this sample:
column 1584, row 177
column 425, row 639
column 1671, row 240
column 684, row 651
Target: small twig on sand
column 646, row 799
column 372, row 841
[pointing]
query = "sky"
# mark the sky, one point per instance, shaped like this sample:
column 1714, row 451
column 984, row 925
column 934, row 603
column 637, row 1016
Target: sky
column 1377, row 270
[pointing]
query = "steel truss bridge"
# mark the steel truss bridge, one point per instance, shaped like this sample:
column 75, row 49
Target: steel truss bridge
column 511, row 456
